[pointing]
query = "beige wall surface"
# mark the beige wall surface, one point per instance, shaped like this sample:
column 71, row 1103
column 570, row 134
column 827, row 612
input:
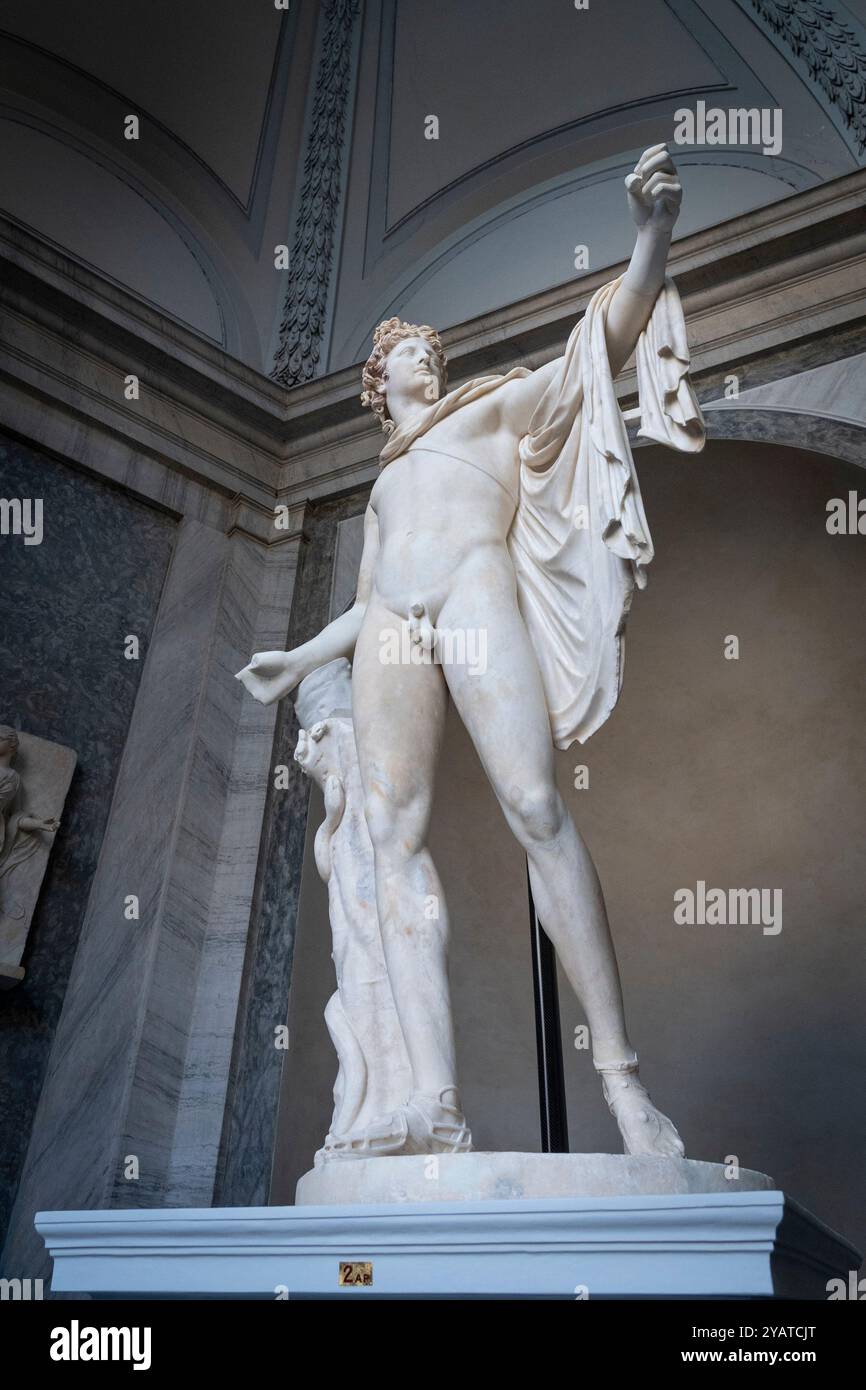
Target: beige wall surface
column 745, row 774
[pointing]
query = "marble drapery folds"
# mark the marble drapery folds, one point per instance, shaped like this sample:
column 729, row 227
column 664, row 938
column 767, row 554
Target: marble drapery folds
column 580, row 540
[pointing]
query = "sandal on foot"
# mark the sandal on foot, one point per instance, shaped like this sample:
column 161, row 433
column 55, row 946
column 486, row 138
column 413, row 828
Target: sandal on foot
column 650, row 1132
column 435, row 1126
column 380, row 1137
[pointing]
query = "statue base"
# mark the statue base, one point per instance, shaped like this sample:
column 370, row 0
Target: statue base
column 481, row 1177
column 730, row 1244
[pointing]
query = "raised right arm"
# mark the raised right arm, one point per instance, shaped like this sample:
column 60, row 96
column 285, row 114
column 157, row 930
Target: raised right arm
column 271, row 675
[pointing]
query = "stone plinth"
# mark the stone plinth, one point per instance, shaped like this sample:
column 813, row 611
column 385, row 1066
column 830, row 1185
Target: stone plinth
column 696, row 1245
column 482, row 1177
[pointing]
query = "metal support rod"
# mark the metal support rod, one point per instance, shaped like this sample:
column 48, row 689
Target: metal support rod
column 548, row 1037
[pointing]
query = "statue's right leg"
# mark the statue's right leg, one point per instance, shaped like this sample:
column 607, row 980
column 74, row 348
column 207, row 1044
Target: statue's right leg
column 399, row 714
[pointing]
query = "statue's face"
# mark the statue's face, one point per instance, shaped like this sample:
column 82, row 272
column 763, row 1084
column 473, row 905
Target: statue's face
column 8, row 745
column 413, row 368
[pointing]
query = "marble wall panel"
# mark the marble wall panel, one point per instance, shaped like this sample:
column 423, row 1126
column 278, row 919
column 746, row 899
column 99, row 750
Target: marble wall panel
column 67, row 607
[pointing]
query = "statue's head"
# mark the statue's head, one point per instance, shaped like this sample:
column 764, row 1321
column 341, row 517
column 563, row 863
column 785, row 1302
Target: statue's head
column 405, row 356
column 8, row 740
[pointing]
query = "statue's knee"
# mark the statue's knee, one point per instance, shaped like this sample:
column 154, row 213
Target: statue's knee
column 536, row 814
column 380, row 818
column 393, row 828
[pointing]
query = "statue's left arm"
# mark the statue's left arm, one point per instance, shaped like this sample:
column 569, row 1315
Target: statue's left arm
column 654, row 196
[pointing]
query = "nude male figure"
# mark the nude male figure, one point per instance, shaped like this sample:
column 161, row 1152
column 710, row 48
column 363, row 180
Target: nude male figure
column 435, row 537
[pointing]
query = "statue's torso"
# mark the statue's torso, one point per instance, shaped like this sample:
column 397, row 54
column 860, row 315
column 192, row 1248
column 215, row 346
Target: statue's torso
column 445, row 508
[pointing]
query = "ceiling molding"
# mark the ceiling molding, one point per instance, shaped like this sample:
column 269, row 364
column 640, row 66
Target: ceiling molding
column 208, row 426
column 734, row 76
column 87, row 80
column 828, row 52
column 304, row 327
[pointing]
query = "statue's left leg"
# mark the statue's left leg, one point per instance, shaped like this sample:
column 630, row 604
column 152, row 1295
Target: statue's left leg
column 501, row 702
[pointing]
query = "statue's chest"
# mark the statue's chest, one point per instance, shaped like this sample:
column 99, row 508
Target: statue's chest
column 473, row 427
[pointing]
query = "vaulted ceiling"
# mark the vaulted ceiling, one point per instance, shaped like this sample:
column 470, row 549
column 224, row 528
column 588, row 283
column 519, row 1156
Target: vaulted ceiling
column 541, row 108
column 201, row 70
column 187, row 214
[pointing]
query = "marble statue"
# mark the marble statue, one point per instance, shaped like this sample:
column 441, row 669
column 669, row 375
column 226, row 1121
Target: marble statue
column 374, row 1080
column 25, row 836
column 508, row 509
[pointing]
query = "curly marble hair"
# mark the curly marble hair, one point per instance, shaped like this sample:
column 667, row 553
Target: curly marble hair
column 9, row 735
column 389, row 333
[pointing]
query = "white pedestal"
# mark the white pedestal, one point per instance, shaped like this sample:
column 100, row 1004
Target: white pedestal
column 698, row 1245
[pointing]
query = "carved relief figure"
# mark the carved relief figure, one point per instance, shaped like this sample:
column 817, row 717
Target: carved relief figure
column 19, row 833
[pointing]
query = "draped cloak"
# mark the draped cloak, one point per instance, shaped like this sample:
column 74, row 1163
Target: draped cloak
column 579, row 541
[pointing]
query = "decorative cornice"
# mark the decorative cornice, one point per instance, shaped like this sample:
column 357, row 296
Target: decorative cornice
column 728, row 1243
column 213, row 438
column 831, row 52
column 310, row 260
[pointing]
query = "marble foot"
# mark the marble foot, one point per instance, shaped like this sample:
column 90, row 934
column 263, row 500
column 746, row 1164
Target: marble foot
column 644, row 1129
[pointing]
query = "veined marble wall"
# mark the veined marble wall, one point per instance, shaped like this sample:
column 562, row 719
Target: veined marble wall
column 68, row 605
